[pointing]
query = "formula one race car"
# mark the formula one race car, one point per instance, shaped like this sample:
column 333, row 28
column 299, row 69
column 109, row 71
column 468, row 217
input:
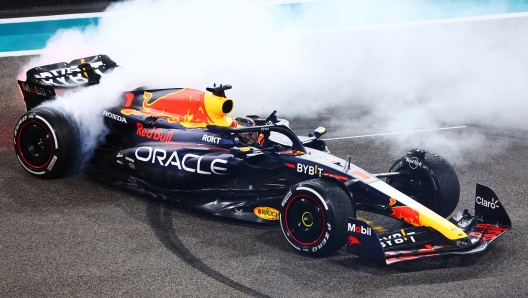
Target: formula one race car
column 179, row 144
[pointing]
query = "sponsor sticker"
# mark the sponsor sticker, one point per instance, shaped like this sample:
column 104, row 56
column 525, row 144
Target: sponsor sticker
column 161, row 156
column 397, row 238
column 359, row 229
column 67, row 76
column 309, row 170
column 156, row 134
column 36, row 90
column 211, row 139
column 494, row 203
column 267, row 213
column 114, row 116
column 414, row 163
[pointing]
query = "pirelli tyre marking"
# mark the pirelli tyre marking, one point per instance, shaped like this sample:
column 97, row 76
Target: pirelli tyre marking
column 314, row 216
column 51, row 129
column 288, row 239
column 315, row 193
column 45, row 125
column 315, row 202
column 36, row 142
column 32, row 172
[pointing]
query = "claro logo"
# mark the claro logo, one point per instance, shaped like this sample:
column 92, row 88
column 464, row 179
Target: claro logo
column 158, row 155
column 267, row 213
column 490, row 204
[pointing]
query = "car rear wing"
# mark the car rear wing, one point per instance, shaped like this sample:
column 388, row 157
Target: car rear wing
column 490, row 222
column 43, row 82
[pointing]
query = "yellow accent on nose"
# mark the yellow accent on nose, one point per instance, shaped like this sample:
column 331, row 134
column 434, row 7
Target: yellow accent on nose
column 245, row 149
column 217, row 108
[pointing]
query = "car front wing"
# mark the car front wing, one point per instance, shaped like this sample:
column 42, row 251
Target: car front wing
column 489, row 222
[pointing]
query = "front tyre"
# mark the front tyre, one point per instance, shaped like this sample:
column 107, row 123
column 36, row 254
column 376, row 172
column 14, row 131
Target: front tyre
column 429, row 179
column 45, row 143
column 314, row 217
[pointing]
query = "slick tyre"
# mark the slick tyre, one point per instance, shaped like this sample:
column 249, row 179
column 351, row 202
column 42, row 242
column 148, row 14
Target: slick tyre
column 434, row 184
column 314, row 217
column 45, row 143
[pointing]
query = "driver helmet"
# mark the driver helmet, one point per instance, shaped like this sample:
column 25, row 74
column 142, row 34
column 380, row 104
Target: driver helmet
column 246, row 138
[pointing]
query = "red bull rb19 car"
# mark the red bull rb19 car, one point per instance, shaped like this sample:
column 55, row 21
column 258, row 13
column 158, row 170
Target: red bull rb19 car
column 180, row 144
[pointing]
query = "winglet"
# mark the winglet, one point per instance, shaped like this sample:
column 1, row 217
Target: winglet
column 363, row 240
column 488, row 207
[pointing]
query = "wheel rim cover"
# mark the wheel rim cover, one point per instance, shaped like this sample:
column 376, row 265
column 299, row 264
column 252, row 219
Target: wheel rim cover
column 305, row 220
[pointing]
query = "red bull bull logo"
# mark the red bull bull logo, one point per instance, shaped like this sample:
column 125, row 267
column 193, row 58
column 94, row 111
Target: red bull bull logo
column 186, row 105
column 352, row 240
column 191, row 108
column 405, row 213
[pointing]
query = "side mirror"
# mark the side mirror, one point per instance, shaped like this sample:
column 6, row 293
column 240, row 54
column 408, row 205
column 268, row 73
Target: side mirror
column 318, row 132
column 241, row 152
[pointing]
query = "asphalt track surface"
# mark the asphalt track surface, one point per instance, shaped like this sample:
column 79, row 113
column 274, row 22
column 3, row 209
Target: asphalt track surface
column 78, row 237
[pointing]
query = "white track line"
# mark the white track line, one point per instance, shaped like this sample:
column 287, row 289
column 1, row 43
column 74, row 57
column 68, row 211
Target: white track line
column 125, row 12
column 20, row 53
column 394, row 133
column 54, row 17
column 413, row 24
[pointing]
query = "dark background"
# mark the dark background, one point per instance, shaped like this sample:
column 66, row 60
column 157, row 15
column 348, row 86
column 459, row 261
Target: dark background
column 17, row 4
column 33, row 8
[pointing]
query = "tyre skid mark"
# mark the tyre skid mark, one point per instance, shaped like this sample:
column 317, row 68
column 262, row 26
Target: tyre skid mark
column 160, row 220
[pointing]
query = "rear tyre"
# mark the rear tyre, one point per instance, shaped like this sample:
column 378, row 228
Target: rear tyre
column 314, row 217
column 45, row 143
column 433, row 183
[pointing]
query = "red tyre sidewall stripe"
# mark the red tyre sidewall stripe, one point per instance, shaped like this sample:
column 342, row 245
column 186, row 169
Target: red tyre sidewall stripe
column 20, row 149
column 288, row 228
